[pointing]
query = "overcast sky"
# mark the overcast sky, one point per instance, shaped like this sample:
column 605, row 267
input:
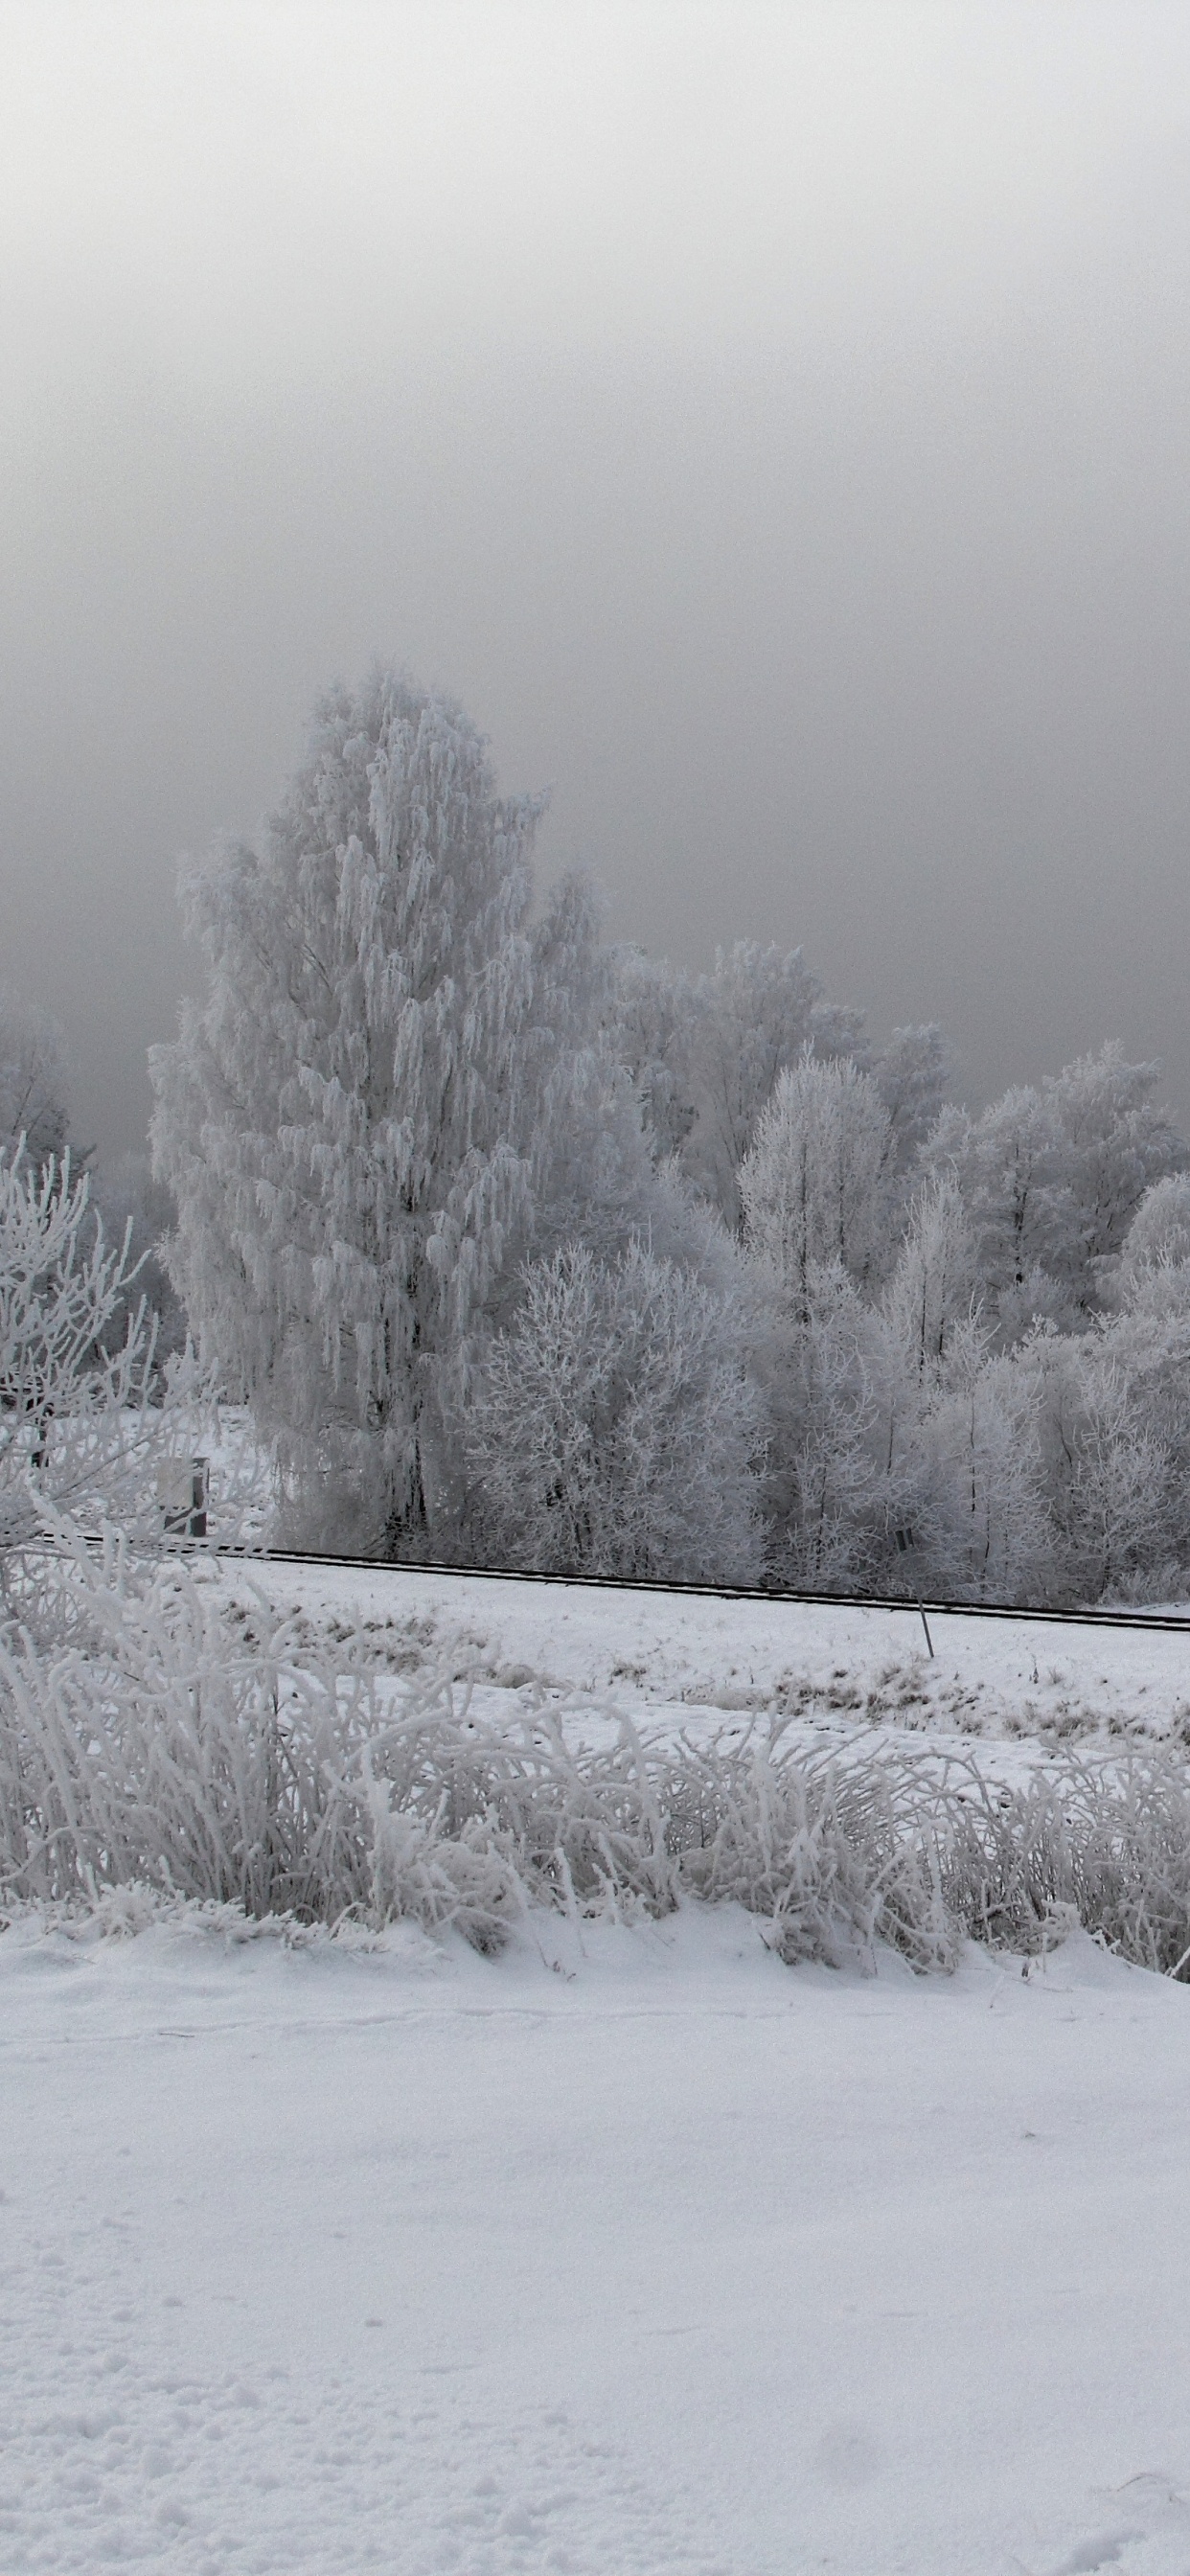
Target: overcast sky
column 771, row 422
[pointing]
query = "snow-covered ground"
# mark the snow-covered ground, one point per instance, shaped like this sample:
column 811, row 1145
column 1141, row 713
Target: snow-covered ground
column 631, row 2255
column 649, row 2259
column 679, row 1662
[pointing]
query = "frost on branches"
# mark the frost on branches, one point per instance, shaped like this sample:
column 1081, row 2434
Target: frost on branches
column 80, row 1433
column 351, row 1121
column 33, row 1117
column 616, row 1431
column 521, row 1247
column 814, row 1184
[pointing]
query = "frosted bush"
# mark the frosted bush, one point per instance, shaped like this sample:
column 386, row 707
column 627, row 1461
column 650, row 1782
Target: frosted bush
column 171, row 1745
column 615, row 1429
column 88, row 1418
column 164, row 1742
column 77, row 1422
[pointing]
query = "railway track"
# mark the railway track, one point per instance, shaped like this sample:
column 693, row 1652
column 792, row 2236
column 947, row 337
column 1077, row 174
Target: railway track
column 909, row 1604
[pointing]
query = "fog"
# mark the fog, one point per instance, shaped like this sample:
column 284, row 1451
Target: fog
column 770, row 422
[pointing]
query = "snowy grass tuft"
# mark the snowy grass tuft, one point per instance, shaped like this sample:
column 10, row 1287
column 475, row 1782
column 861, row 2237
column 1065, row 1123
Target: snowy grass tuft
column 164, row 1750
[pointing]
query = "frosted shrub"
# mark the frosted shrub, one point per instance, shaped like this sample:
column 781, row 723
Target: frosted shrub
column 799, row 1844
column 88, row 1420
column 170, row 1742
column 922, row 1852
column 84, row 1420
column 182, row 1751
column 163, row 1742
column 614, row 1429
column 1105, row 1843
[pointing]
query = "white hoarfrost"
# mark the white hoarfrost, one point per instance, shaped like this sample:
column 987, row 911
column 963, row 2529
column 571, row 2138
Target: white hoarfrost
column 603, row 2237
column 78, row 1431
column 616, row 1429
column 415, row 1131
column 814, row 1182
column 350, row 1121
column 33, row 1118
column 95, row 1437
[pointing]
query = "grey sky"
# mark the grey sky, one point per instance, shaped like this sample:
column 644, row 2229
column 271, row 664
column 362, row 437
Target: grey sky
column 771, row 422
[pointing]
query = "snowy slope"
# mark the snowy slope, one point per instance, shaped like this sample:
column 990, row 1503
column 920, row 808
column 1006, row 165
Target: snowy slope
column 667, row 1657
column 650, row 2259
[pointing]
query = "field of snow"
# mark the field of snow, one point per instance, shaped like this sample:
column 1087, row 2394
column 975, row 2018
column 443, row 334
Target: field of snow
column 649, row 2258
column 683, row 1663
column 631, row 2252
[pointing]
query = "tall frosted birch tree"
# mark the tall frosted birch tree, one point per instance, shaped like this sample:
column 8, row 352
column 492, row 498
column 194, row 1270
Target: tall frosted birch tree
column 349, row 1121
column 814, row 1184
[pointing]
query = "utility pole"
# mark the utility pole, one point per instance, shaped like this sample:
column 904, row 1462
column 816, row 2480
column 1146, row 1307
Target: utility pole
column 906, row 1543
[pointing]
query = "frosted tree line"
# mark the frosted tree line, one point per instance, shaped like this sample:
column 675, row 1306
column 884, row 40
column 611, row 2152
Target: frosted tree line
column 525, row 1250
column 555, row 1348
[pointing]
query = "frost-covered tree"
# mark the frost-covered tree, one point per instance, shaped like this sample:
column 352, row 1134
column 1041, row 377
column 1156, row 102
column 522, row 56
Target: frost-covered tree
column 79, row 1433
column 1160, row 1230
column 983, row 1517
column 129, row 1202
column 813, row 1186
column 932, row 1339
column 652, row 1019
column 1116, row 1141
column 613, row 1429
column 596, row 1182
column 705, row 1051
column 911, row 1074
column 930, row 1307
column 33, row 1083
column 825, row 1483
column 1051, row 1179
column 1008, row 1167
column 1109, row 1434
column 594, row 1177
column 754, row 1015
column 349, row 1122
column 1117, row 1415
column 758, row 1011
column 748, row 1019
column 1145, row 1344
column 960, row 1428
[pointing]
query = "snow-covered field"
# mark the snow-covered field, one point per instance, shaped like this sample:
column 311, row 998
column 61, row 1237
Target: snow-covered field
column 631, row 2252
column 680, row 1662
column 651, row 2257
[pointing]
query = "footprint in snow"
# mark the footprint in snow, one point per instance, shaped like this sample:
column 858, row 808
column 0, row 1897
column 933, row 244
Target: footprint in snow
column 1155, row 2508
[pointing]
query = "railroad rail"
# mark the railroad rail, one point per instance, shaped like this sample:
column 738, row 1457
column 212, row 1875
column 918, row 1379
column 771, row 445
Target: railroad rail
column 1174, row 1621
